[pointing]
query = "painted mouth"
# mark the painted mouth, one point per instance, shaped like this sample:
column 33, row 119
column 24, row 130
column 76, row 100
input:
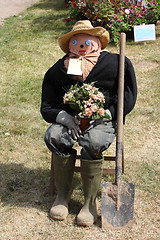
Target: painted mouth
column 82, row 51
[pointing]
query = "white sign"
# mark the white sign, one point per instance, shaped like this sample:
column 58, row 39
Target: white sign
column 144, row 32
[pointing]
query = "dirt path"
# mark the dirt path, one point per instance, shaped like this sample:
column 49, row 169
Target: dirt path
column 10, row 8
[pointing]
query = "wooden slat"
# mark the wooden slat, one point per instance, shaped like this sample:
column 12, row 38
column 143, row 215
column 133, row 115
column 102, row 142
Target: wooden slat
column 109, row 158
column 77, row 169
column 105, row 170
column 108, row 171
column 52, row 182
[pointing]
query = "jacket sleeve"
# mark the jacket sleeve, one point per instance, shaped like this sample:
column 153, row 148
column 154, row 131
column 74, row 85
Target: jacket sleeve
column 130, row 90
column 49, row 99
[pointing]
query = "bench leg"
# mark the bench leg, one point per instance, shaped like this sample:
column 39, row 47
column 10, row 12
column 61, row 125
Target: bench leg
column 52, row 189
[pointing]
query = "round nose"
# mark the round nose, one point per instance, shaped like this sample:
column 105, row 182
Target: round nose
column 81, row 45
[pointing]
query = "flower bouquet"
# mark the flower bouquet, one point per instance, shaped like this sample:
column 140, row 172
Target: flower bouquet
column 87, row 101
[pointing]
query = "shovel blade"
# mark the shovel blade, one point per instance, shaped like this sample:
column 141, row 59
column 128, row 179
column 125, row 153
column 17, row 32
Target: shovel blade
column 111, row 217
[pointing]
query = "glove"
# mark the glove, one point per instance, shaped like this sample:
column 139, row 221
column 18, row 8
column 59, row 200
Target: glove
column 108, row 118
column 70, row 122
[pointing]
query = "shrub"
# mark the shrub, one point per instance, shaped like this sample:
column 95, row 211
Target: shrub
column 115, row 15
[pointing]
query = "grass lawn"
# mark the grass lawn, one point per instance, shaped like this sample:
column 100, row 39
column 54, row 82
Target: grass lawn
column 28, row 47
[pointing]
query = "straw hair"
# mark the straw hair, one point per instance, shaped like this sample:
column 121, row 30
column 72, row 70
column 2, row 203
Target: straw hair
column 84, row 26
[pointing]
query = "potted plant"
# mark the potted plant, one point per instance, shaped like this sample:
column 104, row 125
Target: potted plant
column 87, row 101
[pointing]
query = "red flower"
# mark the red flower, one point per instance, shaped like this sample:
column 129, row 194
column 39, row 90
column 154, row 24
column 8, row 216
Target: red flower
column 67, row 19
column 74, row 4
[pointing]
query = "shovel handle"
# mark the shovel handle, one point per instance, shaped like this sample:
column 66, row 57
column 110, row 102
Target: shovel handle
column 119, row 139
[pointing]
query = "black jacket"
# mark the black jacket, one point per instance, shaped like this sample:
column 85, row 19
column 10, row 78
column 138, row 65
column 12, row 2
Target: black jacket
column 104, row 74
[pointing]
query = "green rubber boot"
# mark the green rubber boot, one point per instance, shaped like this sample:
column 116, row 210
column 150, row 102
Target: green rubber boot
column 63, row 173
column 91, row 173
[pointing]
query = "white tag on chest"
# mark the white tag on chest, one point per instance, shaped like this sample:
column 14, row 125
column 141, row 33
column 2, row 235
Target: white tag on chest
column 75, row 66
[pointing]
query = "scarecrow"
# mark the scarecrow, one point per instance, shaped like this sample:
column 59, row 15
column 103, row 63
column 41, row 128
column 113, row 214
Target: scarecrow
column 85, row 61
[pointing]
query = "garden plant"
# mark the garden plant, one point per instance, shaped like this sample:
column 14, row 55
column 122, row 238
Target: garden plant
column 115, row 15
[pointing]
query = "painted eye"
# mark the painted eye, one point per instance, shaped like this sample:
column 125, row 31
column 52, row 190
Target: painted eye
column 74, row 42
column 88, row 42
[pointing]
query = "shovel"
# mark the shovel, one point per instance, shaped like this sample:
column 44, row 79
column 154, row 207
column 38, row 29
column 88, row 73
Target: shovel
column 118, row 197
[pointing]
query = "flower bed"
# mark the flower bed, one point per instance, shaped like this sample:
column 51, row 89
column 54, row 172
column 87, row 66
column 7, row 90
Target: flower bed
column 115, row 15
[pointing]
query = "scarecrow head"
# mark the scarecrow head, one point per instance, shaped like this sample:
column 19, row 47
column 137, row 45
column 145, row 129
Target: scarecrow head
column 84, row 39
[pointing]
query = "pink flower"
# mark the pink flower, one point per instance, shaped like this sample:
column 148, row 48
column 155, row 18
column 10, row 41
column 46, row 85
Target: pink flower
column 93, row 107
column 100, row 97
column 101, row 112
column 67, row 97
column 88, row 87
column 88, row 112
column 94, row 88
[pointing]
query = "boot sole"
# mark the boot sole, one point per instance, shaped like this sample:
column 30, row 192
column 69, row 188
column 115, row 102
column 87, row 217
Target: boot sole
column 86, row 224
column 58, row 218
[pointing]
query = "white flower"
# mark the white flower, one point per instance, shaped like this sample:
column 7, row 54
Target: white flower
column 7, row 134
column 127, row 11
column 82, row 4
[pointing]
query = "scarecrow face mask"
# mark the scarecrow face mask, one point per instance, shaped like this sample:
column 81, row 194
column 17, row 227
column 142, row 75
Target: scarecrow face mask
column 84, row 44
